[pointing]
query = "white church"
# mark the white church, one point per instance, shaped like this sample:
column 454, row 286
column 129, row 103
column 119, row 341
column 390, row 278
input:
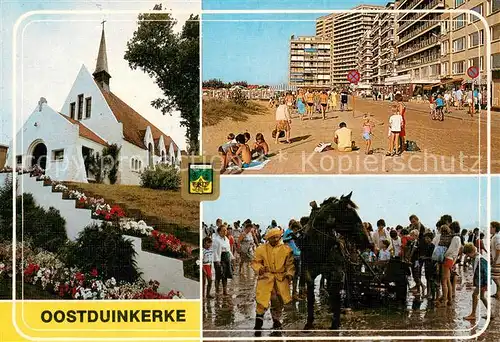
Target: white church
column 91, row 119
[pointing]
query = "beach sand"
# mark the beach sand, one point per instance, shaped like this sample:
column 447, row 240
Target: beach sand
column 449, row 147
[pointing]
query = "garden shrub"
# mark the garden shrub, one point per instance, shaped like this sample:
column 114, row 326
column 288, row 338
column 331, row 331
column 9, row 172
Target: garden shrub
column 6, row 211
column 164, row 177
column 105, row 250
column 44, row 228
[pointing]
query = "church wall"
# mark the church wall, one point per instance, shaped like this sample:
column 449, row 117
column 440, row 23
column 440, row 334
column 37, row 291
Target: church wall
column 102, row 120
column 57, row 133
column 127, row 174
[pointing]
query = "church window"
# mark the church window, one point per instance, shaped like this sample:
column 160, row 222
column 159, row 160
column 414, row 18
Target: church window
column 88, row 107
column 150, row 153
column 19, row 160
column 58, row 155
column 80, row 106
column 162, row 156
column 72, row 106
column 140, row 165
column 136, row 166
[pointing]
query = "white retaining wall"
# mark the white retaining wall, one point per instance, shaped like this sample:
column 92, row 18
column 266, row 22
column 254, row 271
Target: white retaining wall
column 168, row 271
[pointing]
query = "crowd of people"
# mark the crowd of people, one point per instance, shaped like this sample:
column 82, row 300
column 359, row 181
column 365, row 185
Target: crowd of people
column 433, row 256
column 444, row 102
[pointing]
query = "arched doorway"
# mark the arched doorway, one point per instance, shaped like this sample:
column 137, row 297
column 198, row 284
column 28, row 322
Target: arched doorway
column 39, row 155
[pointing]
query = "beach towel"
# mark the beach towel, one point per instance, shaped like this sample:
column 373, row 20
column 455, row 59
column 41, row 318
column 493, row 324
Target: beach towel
column 321, row 147
column 253, row 166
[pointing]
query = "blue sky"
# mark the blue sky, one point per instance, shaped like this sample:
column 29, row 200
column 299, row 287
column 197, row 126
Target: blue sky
column 53, row 52
column 257, row 52
column 391, row 198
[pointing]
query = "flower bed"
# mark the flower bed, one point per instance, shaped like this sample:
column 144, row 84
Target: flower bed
column 44, row 270
column 154, row 241
column 167, row 245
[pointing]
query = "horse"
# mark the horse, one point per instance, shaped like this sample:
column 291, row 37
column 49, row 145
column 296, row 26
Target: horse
column 324, row 241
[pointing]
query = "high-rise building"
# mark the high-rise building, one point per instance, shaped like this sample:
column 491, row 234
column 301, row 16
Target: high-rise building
column 310, row 58
column 418, row 41
column 324, row 26
column 383, row 50
column 463, row 45
column 348, row 29
column 365, row 60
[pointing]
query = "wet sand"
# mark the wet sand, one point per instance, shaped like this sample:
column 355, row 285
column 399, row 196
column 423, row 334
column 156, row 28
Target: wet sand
column 449, row 147
column 234, row 316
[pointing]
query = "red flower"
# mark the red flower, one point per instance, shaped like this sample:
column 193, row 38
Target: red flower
column 94, row 273
column 32, row 268
column 80, row 276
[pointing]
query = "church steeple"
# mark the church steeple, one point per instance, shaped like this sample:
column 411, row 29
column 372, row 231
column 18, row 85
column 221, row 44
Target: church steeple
column 101, row 74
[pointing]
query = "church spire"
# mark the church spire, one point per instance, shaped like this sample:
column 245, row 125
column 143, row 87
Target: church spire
column 101, row 74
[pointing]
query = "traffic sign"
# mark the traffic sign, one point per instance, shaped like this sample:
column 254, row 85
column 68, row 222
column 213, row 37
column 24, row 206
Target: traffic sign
column 473, row 71
column 353, row 76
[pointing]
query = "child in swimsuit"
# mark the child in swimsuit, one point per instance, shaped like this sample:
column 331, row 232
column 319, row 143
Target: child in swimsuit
column 367, row 133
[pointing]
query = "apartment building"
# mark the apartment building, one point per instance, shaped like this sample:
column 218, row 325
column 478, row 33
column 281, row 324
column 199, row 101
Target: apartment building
column 348, row 30
column 365, row 60
column 309, row 61
column 324, row 27
column 418, row 42
column 383, row 50
column 464, row 42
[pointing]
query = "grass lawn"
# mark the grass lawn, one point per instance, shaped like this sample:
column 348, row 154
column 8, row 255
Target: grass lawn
column 167, row 206
column 30, row 291
column 215, row 111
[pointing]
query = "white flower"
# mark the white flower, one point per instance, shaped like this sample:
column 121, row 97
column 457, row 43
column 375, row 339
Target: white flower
column 197, row 262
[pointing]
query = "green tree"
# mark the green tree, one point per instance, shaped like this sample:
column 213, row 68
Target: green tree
column 173, row 61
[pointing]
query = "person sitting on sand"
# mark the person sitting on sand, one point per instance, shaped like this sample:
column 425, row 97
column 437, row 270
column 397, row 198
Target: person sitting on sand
column 260, row 148
column 247, row 137
column 343, row 138
column 243, row 157
column 226, row 150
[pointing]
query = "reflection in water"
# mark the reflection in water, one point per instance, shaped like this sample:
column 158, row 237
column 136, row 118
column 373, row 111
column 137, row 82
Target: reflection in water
column 234, row 315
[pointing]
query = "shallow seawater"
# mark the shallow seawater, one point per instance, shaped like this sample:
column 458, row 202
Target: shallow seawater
column 234, row 315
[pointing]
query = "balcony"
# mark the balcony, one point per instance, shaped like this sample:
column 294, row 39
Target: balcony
column 410, row 6
column 426, row 26
column 419, row 61
column 387, row 39
column 415, row 48
column 416, row 17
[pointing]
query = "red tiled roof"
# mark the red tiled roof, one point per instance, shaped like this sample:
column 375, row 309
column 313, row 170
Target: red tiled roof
column 85, row 132
column 134, row 124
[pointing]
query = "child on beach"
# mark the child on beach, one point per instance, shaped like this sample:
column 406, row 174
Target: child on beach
column 207, row 266
column 384, row 254
column 480, row 279
column 260, row 148
column 395, row 125
column 243, row 156
column 227, row 149
column 367, row 133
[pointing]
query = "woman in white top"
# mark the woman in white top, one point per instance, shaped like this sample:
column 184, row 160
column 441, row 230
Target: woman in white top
column 222, row 259
column 283, row 121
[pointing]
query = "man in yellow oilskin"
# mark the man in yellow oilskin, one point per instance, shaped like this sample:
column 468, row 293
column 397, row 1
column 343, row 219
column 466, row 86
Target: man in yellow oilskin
column 273, row 263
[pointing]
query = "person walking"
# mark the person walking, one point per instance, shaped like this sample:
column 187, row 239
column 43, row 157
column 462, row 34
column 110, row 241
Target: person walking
column 283, row 121
column 274, row 265
column 222, row 259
